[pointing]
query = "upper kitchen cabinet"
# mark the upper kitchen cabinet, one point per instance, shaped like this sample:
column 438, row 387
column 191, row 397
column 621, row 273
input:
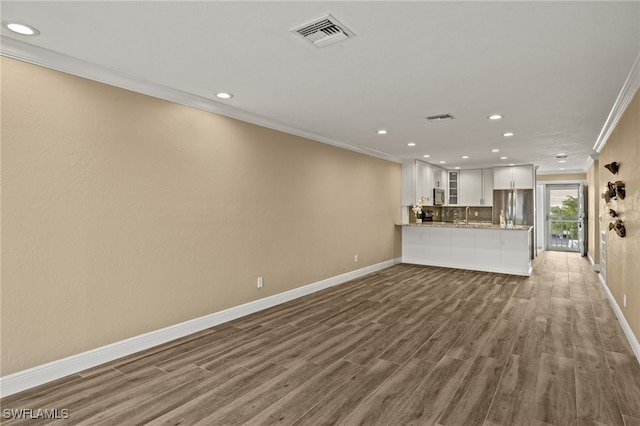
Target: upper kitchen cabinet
column 514, row 177
column 476, row 187
column 440, row 178
column 487, row 187
column 470, row 188
column 453, row 194
column 417, row 182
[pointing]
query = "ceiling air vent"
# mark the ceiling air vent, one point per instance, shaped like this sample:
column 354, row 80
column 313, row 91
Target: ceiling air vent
column 323, row 31
column 439, row 117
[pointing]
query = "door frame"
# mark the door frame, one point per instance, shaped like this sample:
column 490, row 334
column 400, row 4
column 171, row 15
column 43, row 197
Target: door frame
column 547, row 215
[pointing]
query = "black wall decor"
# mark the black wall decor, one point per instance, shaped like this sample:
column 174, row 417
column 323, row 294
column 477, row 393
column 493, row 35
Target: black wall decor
column 618, row 226
column 614, row 191
column 612, row 167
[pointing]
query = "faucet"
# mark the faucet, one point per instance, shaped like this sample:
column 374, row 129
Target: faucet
column 466, row 215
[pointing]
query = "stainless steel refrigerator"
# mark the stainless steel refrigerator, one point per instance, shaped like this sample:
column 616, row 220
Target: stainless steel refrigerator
column 519, row 207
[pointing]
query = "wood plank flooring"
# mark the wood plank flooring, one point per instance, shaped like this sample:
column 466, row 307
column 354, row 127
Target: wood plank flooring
column 409, row 345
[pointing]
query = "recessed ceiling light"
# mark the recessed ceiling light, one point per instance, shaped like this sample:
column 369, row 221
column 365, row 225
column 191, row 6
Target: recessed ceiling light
column 495, row 150
column 224, row 95
column 411, row 144
column 511, row 164
column 465, row 156
column 21, row 29
column 562, row 161
column 458, row 168
column 382, row 132
column 442, row 162
column 503, row 158
column 507, row 134
column 495, row 117
column 561, row 168
column 426, row 156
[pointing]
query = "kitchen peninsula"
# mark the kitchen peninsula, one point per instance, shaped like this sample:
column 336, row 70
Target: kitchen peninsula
column 475, row 246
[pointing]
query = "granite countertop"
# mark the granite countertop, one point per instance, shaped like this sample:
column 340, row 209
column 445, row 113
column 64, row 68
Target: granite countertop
column 475, row 225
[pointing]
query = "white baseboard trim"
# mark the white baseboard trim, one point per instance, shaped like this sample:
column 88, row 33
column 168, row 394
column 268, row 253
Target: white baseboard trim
column 633, row 341
column 26, row 379
column 595, row 266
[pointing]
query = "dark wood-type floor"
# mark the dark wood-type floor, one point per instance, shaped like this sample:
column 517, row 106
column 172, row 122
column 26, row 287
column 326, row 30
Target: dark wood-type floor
column 407, row 345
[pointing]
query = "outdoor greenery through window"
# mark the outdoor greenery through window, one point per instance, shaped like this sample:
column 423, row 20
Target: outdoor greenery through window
column 563, row 218
column 568, row 210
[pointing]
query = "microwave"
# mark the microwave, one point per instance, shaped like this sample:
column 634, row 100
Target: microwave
column 438, row 197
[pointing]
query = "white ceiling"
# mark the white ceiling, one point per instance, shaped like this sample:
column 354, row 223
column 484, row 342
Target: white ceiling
column 553, row 69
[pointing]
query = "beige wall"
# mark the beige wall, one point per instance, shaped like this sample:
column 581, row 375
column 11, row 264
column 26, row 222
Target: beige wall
column 563, row 177
column 123, row 214
column 593, row 211
column 623, row 254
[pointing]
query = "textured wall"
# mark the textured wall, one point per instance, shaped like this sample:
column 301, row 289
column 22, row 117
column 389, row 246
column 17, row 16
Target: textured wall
column 123, row 214
column 623, row 254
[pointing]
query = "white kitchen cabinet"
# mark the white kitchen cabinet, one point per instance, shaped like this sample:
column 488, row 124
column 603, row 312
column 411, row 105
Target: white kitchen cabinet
column 427, row 183
column 440, row 178
column 470, row 188
column 415, row 245
column 439, row 245
column 504, row 251
column 502, row 178
column 487, row 187
column 523, row 177
column 453, row 194
column 421, row 180
column 475, row 187
column 488, row 246
column 463, row 247
column 417, row 182
column 513, row 177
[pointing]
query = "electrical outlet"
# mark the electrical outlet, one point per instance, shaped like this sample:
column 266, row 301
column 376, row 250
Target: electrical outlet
column 624, row 300
column 259, row 282
column 355, row 258
column 475, row 214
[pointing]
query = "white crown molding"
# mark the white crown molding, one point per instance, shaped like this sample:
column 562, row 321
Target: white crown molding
column 36, row 55
column 628, row 91
column 54, row 370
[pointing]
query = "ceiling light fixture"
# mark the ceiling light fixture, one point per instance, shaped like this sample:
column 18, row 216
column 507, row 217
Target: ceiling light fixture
column 382, row 132
column 21, row 29
column 507, row 134
column 224, row 95
column 426, row 156
column 561, row 155
column 562, row 161
column 458, row 168
column 561, row 168
column 511, row 164
column 495, row 117
column 465, row 157
column 442, row 162
column 411, row 144
column 503, row 158
column 495, row 150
